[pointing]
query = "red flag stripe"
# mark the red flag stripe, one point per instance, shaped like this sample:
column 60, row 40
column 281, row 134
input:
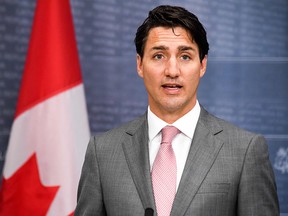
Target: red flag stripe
column 57, row 129
column 50, row 53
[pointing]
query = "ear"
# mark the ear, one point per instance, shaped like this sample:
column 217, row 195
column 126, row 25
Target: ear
column 139, row 66
column 203, row 66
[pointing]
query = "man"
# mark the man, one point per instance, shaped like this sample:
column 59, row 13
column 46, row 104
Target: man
column 214, row 167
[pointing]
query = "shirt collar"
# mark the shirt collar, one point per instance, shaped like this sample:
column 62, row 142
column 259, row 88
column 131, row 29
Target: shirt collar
column 186, row 124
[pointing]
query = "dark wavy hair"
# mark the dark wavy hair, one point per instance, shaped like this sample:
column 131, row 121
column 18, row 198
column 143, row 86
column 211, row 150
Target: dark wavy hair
column 172, row 16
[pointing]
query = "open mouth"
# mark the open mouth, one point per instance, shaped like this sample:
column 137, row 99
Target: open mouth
column 171, row 86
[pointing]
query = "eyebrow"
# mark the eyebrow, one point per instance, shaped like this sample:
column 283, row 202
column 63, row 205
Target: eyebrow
column 159, row 48
column 180, row 48
column 185, row 48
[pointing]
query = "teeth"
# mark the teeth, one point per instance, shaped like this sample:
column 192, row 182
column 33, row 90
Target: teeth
column 171, row 86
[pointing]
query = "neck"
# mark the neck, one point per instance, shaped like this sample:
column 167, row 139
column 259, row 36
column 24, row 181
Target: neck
column 171, row 116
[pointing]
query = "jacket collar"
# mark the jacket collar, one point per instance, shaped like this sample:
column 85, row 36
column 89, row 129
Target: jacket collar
column 203, row 152
column 135, row 147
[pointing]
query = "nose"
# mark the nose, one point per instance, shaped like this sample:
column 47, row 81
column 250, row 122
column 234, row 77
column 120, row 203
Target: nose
column 172, row 68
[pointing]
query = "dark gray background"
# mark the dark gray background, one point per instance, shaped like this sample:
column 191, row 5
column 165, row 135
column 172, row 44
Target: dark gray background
column 246, row 81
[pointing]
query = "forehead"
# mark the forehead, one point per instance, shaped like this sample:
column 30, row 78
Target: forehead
column 167, row 35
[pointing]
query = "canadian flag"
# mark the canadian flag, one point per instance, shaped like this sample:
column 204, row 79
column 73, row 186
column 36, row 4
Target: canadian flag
column 50, row 131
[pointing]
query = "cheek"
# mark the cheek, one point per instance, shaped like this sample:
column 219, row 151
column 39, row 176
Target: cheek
column 149, row 74
column 191, row 81
column 151, row 81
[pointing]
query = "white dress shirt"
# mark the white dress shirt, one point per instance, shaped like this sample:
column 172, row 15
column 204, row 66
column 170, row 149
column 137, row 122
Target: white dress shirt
column 182, row 141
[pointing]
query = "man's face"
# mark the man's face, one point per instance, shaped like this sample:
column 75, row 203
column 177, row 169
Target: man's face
column 171, row 70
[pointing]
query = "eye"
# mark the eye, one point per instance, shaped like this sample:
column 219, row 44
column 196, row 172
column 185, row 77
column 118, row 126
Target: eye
column 158, row 56
column 185, row 57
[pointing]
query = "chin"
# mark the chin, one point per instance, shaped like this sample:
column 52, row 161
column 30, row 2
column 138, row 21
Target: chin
column 172, row 106
column 175, row 105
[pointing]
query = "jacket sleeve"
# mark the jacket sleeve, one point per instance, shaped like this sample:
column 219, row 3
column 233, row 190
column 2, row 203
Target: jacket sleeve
column 257, row 188
column 89, row 197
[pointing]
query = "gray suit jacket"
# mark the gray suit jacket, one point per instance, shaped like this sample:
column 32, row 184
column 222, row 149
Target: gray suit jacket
column 227, row 173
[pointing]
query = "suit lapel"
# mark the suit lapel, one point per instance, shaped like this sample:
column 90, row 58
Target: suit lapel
column 135, row 147
column 203, row 152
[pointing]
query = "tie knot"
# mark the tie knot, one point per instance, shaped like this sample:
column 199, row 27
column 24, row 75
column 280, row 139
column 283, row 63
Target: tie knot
column 168, row 134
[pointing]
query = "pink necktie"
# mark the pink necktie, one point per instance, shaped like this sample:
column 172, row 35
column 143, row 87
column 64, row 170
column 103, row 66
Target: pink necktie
column 164, row 173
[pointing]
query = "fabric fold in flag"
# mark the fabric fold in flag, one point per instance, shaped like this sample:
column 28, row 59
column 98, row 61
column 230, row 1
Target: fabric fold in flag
column 50, row 131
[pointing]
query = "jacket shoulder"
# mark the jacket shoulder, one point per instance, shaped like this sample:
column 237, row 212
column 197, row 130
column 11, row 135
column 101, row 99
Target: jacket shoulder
column 224, row 128
column 116, row 134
